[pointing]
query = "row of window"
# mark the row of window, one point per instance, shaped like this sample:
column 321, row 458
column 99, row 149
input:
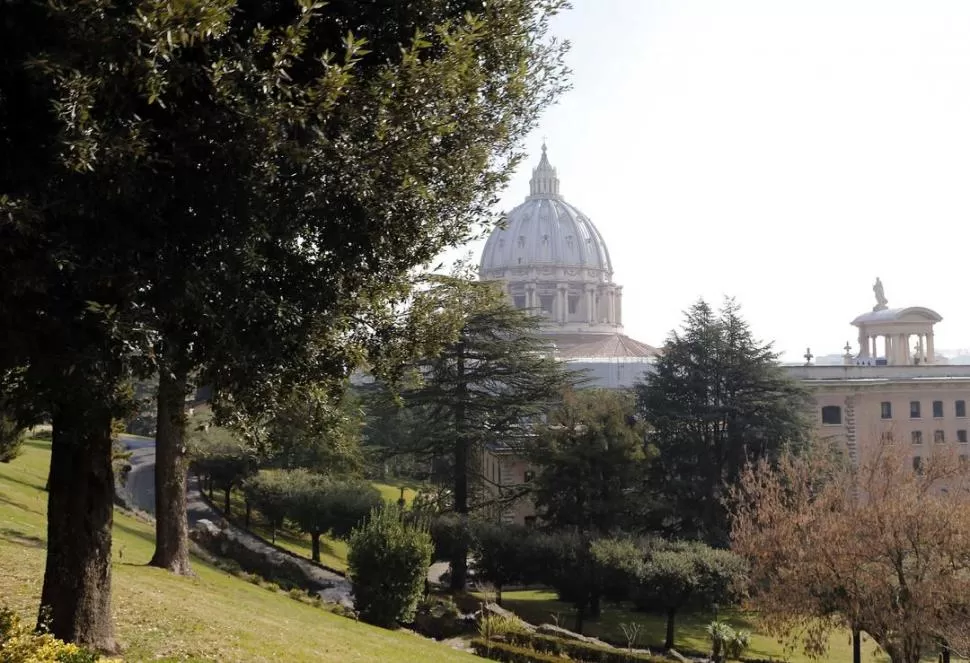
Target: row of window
column 939, row 436
column 915, row 409
column 832, row 414
column 918, row 462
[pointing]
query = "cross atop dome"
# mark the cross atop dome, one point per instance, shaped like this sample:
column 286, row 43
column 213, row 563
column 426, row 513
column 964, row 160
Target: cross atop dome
column 544, row 182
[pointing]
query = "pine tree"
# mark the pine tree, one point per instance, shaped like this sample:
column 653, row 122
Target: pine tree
column 717, row 400
column 487, row 385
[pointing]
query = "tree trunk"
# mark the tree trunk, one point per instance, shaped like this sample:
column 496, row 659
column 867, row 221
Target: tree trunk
column 209, row 483
column 498, row 593
column 171, row 471
column 595, row 607
column 459, row 564
column 580, row 616
column 226, row 505
column 249, row 513
column 76, row 598
column 669, row 640
column 856, row 646
column 315, row 545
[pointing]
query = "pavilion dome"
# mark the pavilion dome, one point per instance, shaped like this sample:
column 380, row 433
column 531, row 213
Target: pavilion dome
column 546, row 232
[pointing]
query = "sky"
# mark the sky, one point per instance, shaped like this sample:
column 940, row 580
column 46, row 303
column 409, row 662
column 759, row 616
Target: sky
column 782, row 152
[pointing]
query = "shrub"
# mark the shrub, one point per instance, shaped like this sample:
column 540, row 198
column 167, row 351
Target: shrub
column 12, row 437
column 388, row 562
column 578, row 651
column 21, row 644
column 270, row 492
column 499, row 551
column 618, row 562
column 548, row 649
column 499, row 626
column 499, row 651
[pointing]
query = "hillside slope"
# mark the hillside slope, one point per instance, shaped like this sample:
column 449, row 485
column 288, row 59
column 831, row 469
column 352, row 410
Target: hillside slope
column 213, row 616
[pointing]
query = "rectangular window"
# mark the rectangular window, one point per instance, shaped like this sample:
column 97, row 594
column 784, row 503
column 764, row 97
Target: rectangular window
column 529, row 475
column 938, row 436
column 518, row 301
column 573, row 305
column 962, row 436
column 937, row 409
column 963, row 459
column 832, row 415
column 530, row 521
column 914, row 412
column 961, row 408
column 917, row 437
column 918, row 464
column 886, row 410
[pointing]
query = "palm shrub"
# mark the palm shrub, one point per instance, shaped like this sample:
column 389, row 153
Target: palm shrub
column 726, row 643
column 388, row 562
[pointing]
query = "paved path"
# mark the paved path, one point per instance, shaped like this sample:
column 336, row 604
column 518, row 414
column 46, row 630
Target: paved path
column 138, row 492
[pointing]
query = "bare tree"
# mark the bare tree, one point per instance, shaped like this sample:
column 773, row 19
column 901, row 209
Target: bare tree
column 882, row 548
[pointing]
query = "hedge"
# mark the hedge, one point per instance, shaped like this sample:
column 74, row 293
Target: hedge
column 500, row 651
column 580, row 651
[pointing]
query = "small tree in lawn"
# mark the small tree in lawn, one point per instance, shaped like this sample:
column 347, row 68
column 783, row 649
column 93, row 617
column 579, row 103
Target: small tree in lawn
column 11, row 437
column 319, row 504
column 388, row 563
column 498, row 554
column 683, row 575
column 271, row 492
column 222, row 458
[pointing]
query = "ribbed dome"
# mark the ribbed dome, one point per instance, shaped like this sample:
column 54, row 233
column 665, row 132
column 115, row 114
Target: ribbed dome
column 545, row 231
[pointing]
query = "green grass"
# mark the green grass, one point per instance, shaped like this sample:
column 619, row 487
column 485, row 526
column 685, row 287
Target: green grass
column 538, row 606
column 158, row 616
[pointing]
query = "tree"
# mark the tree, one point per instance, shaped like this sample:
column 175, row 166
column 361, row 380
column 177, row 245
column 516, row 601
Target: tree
column 678, row 575
column 230, row 190
column 319, row 504
column 593, row 459
column 483, row 387
column 272, row 492
column 388, row 562
column 879, row 547
column 498, row 549
column 716, row 400
column 221, row 457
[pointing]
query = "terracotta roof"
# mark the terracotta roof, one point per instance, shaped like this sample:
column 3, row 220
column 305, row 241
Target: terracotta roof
column 601, row 346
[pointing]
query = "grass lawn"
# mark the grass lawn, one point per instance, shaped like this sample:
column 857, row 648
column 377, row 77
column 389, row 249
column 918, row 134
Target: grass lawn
column 542, row 606
column 333, row 552
column 158, row 616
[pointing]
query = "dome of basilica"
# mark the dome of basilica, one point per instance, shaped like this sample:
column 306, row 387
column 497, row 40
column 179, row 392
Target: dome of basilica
column 546, row 233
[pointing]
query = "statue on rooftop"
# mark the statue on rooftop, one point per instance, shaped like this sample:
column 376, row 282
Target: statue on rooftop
column 881, row 300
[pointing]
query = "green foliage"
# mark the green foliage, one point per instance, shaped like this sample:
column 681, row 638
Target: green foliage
column 593, row 462
column 726, row 643
column 22, row 644
column 717, row 400
column 313, row 428
column 491, row 625
column 539, row 648
column 388, row 563
column 319, row 504
column 498, row 551
column 12, row 438
column 619, row 562
column 219, row 454
column 683, row 575
column 270, row 491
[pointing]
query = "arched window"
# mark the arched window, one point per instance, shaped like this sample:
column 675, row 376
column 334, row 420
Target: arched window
column 832, row 415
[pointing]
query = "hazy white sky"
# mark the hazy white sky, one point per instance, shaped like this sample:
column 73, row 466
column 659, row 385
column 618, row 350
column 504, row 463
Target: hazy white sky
column 784, row 152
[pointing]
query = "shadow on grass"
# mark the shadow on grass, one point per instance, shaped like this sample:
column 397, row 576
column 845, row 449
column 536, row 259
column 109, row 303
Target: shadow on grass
column 127, row 529
column 15, row 504
column 22, row 538
column 33, row 486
